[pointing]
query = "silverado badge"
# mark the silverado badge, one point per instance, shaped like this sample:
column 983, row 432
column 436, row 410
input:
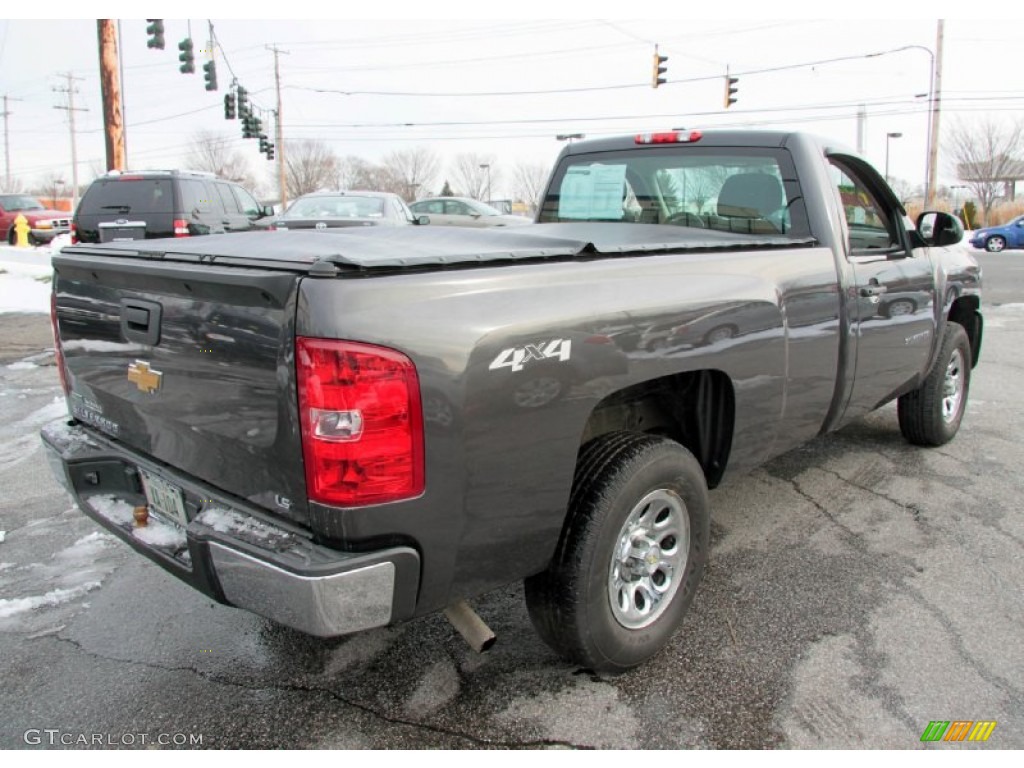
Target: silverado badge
column 144, row 377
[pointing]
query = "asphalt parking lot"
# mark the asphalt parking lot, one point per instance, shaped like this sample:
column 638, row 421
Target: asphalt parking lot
column 859, row 588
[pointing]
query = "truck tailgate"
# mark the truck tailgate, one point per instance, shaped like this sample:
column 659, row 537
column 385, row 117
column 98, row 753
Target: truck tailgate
column 190, row 364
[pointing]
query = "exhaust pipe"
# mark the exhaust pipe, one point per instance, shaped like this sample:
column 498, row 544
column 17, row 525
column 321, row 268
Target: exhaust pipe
column 470, row 626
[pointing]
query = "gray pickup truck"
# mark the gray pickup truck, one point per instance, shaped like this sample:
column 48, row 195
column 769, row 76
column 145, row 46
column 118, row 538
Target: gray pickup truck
column 344, row 430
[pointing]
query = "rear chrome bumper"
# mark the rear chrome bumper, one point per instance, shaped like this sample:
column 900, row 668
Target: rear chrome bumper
column 229, row 550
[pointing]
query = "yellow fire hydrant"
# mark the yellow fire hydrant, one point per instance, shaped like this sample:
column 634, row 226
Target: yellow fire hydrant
column 21, row 230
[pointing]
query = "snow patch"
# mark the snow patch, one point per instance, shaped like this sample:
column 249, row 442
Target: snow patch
column 21, row 365
column 6, row 566
column 115, row 510
column 160, row 534
column 228, row 521
column 14, row 606
column 3, row 536
column 23, row 294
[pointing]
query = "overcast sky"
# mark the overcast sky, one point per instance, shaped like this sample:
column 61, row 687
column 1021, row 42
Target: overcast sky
column 368, row 86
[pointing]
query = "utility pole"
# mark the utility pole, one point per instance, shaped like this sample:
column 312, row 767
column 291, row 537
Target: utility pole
column 7, row 145
column 282, row 186
column 110, row 87
column 933, row 152
column 70, row 108
column 862, row 118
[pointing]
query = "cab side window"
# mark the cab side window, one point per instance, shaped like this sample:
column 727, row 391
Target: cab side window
column 870, row 226
column 247, row 202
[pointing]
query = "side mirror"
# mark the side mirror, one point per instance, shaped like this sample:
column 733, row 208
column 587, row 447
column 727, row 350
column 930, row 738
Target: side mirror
column 938, row 228
column 266, row 210
column 422, row 220
column 475, row 215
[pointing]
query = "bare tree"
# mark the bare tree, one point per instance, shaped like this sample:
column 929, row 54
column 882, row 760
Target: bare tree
column 310, row 165
column 357, row 173
column 529, row 180
column 470, row 173
column 52, row 188
column 12, row 186
column 415, row 168
column 211, row 152
column 987, row 157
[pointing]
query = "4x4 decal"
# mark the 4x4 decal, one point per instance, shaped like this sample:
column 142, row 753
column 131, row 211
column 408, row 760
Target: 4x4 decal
column 516, row 357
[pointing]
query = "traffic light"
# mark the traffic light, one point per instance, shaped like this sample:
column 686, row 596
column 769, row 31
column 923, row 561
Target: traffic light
column 730, row 90
column 229, row 106
column 210, row 73
column 243, row 103
column 263, row 142
column 270, row 151
column 659, row 69
column 155, row 30
column 186, row 57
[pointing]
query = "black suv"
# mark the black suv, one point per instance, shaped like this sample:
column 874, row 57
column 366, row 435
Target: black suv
column 132, row 205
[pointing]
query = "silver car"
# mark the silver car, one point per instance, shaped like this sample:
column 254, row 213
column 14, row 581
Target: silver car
column 465, row 212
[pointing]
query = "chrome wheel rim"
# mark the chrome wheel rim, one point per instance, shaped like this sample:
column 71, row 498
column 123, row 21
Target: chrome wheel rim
column 953, row 387
column 900, row 308
column 649, row 560
column 996, row 244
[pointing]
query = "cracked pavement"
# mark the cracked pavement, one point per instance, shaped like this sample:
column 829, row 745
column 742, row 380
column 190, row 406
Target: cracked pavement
column 858, row 588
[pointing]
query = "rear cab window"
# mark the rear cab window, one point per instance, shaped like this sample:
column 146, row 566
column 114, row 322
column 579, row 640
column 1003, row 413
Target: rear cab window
column 745, row 190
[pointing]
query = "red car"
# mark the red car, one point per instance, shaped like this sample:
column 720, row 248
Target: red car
column 45, row 223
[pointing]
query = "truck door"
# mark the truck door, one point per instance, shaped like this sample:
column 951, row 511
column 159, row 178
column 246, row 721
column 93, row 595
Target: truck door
column 893, row 291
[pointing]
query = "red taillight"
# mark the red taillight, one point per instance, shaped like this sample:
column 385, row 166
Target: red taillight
column 362, row 422
column 58, row 354
column 74, row 233
column 180, row 227
column 668, row 137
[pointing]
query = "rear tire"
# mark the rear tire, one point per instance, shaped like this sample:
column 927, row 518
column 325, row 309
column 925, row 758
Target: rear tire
column 631, row 554
column 931, row 414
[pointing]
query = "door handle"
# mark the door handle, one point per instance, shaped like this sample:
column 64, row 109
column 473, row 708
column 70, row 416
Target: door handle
column 873, row 290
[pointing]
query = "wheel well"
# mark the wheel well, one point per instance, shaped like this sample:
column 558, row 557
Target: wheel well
column 965, row 312
column 696, row 409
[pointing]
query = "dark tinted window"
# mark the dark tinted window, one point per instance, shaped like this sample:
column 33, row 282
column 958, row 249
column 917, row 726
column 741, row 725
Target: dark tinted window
column 227, row 199
column 196, row 196
column 106, row 196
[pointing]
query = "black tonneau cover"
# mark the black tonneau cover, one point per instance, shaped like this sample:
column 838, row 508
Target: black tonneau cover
column 389, row 248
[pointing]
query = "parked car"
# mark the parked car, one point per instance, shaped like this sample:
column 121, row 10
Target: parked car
column 996, row 239
column 143, row 205
column 330, row 210
column 45, row 223
column 465, row 212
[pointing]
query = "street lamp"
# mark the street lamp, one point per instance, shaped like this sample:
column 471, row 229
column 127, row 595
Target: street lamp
column 887, row 137
column 569, row 136
column 487, row 167
column 931, row 151
column 956, row 197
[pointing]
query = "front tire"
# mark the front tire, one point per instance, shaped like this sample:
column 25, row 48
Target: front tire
column 931, row 414
column 631, row 554
column 995, row 244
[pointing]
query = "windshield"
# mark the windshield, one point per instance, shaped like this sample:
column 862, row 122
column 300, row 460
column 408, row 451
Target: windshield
column 342, row 206
column 741, row 190
column 20, row 203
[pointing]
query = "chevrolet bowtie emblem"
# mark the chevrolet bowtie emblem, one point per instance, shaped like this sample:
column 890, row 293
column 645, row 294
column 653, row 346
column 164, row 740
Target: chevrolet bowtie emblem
column 144, row 377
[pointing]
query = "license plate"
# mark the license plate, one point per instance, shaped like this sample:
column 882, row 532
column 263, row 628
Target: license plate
column 164, row 499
